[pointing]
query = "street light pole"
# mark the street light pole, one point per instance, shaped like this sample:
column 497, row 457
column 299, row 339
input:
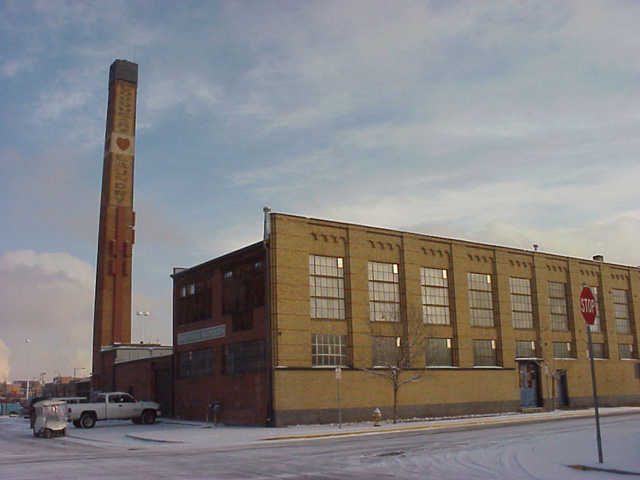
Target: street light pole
column 143, row 314
column 28, row 342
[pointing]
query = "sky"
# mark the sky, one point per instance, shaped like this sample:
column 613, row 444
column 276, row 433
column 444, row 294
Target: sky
column 508, row 122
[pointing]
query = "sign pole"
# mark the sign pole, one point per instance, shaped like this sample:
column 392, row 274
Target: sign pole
column 588, row 308
column 595, row 395
column 338, row 377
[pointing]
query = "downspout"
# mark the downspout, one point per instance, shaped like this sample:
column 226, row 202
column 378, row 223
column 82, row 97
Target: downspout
column 266, row 237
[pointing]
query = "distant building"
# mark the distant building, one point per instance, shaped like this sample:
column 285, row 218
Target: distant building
column 68, row 387
column 260, row 331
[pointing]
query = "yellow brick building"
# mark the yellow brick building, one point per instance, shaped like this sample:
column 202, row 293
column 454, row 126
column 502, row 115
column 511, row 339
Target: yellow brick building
column 499, row 329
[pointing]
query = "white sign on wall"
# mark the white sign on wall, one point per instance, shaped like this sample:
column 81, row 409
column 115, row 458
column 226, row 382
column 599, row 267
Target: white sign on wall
column 200, row 335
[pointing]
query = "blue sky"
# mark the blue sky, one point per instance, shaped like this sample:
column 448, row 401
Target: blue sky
column 506, row 122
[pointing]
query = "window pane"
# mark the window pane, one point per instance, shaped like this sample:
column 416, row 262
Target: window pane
column 480, row 300
column 484, row 353
column 621, row 311
column 328, row 350
column 438, row 352
column 521, row 303
column 558, row 307
column 598, row 350
column 525, row 349
column 625, row 351
column 562, row 350
column 435, row 296
column 194, row 364
column 244, row 357
column 386, row 351
column 384, row 292
column 326, row 287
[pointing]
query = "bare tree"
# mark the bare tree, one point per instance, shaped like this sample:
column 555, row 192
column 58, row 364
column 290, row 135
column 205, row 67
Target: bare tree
column 396, row 349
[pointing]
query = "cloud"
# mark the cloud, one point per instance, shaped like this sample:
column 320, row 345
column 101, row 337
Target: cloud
column 5, row 369
column 614, row 238
column 48, row 299
column 53, row 189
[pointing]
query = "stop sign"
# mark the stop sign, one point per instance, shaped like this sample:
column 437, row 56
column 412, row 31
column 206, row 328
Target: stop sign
column 588, row 305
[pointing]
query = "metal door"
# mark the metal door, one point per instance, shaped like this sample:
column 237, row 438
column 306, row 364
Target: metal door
column 529, row 385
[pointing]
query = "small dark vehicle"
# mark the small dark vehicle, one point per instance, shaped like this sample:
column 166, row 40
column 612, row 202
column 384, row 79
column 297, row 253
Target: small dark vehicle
column 27, row 407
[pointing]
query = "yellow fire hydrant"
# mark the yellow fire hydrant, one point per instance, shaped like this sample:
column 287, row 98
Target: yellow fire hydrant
column 377, row 417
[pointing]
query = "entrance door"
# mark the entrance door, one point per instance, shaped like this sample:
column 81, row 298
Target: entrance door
column 529, row 385
column 563, row 391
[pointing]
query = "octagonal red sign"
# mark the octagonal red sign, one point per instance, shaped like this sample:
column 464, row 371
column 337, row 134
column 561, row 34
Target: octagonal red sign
column 588, row 306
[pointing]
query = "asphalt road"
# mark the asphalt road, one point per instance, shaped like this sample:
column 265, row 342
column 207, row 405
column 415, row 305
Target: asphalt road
column 481, row 453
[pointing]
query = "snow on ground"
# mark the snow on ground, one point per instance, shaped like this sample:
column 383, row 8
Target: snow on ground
column 544, row 457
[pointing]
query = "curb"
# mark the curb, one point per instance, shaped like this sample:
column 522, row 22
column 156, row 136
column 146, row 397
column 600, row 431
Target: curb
column 134, row 437
column 597, row 469
column 483, row 423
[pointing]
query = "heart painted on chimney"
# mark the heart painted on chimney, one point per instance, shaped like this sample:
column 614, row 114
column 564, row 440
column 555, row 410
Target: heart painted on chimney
column 123, row 143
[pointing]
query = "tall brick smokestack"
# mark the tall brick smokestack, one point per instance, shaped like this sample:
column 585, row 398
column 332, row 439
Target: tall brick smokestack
column 112, row 313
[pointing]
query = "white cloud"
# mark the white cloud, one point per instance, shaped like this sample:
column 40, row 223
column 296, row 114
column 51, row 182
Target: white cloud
column 48, row 299
column 51, row 190
column 614, row 238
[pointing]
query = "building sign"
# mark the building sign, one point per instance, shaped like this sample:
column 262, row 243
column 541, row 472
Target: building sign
column 120, row 145
column 125, row 112
column 200, row 335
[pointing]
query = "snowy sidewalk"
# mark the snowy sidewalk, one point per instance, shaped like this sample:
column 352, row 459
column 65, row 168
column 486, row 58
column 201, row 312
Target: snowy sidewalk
column 199, row 433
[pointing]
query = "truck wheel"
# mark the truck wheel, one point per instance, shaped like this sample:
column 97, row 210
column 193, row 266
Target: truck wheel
column 64, row 432
column 87, row 420
column 76, row 423
column 148, row 417
column 47, row 433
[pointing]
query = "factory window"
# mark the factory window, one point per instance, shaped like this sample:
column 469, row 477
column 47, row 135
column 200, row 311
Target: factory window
column 558, row 307
column 521, row 304
column 480, row 300
column 387, row 352
column 625, row 351
column 384, row 292
column 598, row 350
column 328, row 350
column 485, row 353
column 438, row 352
column 621, row 311
column 244, row 357
column 195, row 302
column 242, row 291
column 562, row 350
column 326, row 287
column 196, row 363
column 435, row 296
column 526, row 349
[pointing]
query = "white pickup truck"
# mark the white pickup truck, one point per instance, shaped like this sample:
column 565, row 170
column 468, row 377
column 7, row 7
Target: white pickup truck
column 113, row 406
